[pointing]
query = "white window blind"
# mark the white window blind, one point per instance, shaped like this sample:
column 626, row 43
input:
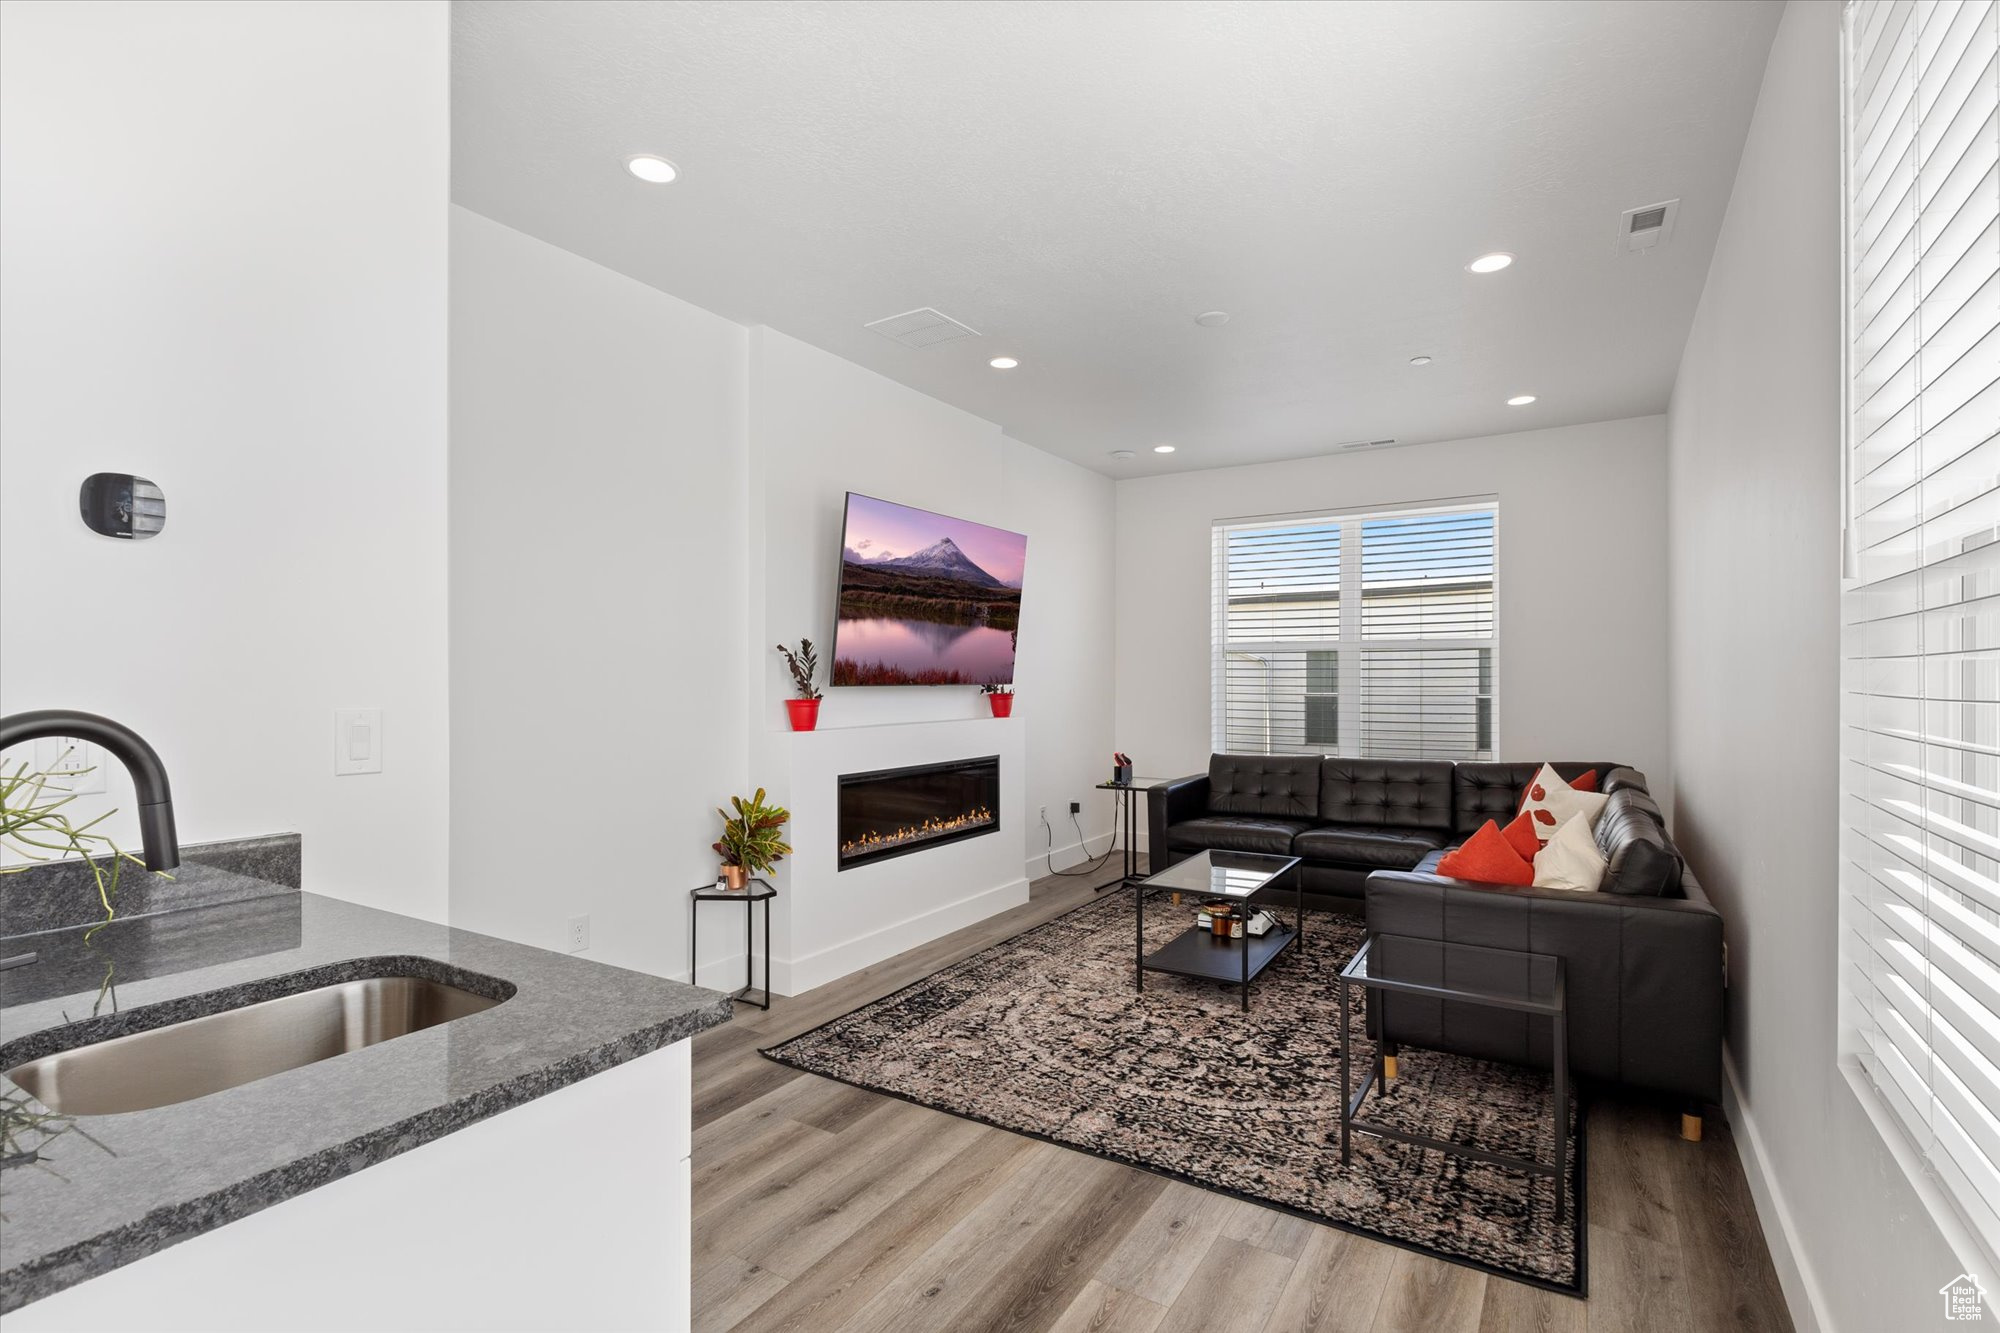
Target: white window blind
column 1920, row 734
column 1408, row 674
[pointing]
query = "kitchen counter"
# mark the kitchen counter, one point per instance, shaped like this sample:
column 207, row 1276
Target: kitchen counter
column 111, row 1189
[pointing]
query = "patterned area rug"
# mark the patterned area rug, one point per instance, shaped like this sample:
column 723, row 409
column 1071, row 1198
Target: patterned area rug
column 1044, row 1034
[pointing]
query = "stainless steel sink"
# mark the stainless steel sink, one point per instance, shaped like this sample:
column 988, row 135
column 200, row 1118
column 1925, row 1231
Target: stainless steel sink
column 197, row 1056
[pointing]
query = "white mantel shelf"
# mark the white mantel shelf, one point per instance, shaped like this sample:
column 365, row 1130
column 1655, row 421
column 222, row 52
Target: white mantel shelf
column 832, row 729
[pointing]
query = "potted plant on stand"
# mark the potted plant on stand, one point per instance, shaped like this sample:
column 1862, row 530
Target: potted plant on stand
column 750, row 843
column 804, row 665
column 1001, row 697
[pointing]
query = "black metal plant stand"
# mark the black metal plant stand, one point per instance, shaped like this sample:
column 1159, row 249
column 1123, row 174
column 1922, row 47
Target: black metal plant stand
column 756, row 891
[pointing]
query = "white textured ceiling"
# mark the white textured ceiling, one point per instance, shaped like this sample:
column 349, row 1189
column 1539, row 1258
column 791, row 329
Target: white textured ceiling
column 1078, row 181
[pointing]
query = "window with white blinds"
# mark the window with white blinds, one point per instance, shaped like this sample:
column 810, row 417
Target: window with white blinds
column 1407, row 673
column 1920, row 733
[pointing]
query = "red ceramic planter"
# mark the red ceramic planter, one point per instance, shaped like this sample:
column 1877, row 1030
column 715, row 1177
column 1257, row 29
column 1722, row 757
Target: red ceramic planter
column 805, row 713
column 1003, row 704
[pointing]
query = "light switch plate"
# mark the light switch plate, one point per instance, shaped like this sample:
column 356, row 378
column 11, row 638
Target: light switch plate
column 357, row 741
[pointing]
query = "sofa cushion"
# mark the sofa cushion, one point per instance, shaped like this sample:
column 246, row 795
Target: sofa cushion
column 1522, row 835
column 1620, row 778
column 1552, row 802
column 1487, row 858
column 1399, row 793
column 1279, row 786
column 1640, row 860
column 1493, row 791
column 1642, row 800
column 1235, row 833
column 1375, row 848
column 1571, row 860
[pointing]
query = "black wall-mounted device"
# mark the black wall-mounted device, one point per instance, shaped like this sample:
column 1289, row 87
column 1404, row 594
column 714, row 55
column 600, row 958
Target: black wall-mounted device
column 118, row 504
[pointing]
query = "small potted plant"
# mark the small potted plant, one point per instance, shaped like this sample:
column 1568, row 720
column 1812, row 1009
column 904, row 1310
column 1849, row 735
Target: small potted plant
column 804, row 665
column 1001, row 697
column 750, row 843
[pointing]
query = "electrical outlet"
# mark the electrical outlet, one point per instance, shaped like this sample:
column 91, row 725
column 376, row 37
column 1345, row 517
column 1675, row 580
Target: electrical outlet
column 1076, row 807
column 73, row 765
column 1045, row 814
column 579, row 934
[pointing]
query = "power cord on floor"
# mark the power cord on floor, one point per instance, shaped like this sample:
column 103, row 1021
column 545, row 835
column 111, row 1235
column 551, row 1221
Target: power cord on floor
column 1091, row 865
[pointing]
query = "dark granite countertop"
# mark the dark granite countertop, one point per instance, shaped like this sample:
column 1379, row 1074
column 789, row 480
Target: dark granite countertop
column 109, row 1189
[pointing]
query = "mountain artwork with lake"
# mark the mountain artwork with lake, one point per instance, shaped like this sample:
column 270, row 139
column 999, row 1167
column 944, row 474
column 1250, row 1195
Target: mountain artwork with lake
column 925, row 599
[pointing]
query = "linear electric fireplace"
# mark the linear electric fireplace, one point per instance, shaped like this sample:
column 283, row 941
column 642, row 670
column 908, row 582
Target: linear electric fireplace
column 893, row 811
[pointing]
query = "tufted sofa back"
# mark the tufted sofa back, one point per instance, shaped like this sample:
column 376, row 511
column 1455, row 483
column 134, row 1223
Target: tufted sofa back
column 1398, row 793
column 1493, row 791
column 1277, row 786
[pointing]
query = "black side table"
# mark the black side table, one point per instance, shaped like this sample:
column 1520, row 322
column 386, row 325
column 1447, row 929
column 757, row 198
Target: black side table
column 1125, row 812
column 1506, row 979
column 757, row 891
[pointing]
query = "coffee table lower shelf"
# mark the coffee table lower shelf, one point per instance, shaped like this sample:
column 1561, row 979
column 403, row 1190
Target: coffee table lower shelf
column 1199, row 953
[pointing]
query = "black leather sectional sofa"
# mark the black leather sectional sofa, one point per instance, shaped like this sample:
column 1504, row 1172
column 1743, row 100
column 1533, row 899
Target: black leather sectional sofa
column 1643, row 957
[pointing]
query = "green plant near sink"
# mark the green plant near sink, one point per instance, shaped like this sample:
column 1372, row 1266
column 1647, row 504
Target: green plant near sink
column 752, row 842
column 35, row 825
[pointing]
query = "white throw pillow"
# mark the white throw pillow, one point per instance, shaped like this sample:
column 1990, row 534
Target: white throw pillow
column 1571, row 859
column 1551, row 802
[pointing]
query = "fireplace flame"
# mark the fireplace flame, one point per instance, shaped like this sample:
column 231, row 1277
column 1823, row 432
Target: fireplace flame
column 930, row 828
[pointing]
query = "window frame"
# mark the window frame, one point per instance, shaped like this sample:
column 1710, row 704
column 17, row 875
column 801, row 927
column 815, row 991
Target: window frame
column 1349, row 645
column 1968, row 1226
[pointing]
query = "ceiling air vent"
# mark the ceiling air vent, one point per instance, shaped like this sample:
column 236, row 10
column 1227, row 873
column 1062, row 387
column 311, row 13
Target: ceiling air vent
column 1645, row 228
column 922, row 328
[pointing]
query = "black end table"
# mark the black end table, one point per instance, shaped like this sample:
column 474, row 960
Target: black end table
column 1525, row 983
column 756, row 891
column 1125, row 815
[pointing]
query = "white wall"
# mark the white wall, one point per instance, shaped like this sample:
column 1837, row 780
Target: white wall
column 597, row 530
column 1753, row 468
column 225, row 270
column 820, row 427
column 1065, row 660
column 1582, row 664
column 645, row 499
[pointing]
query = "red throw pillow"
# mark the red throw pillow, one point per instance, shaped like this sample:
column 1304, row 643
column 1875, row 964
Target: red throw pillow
column 1523, row 836
column 1487, row 858
column 1584, row 781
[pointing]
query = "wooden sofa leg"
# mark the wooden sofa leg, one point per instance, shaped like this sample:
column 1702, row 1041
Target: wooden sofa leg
column 1691, row 1124
column 1388, row 1066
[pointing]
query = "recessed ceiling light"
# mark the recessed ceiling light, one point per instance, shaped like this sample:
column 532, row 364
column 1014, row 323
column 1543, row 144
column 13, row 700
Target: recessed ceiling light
column 653, row 170
column 1420, row 361
column 1003, row 363
column 1492, row 263
column 1122, row 455
column 1163, row 448
column 1521, row 400
column 1212, row 319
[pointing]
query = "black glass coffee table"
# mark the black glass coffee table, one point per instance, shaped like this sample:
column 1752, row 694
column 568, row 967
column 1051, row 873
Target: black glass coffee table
column 1507, row 979
column 1196, row 952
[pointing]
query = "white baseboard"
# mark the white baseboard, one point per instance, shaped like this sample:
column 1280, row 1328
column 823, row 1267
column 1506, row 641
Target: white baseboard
column 1795, row 1276
column 726, row 973
column 789, row 976
column 1070, row 855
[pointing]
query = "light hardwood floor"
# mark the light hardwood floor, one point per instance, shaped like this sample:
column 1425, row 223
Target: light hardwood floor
column 820, row 1207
